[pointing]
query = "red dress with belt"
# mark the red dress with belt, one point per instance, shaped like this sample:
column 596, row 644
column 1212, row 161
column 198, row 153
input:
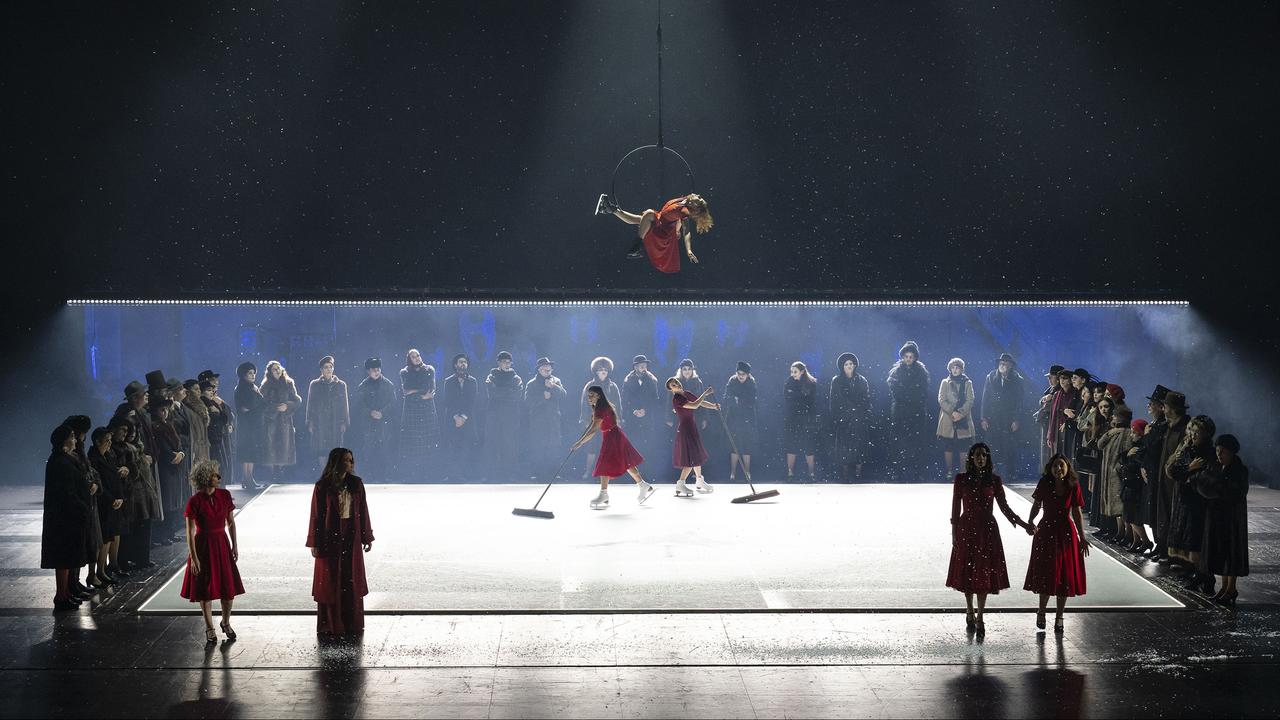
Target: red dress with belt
column 218, row 578
column 662, row 242
column 977, row 554
column 1056, row 567
column 687, row 450
column 617, row 455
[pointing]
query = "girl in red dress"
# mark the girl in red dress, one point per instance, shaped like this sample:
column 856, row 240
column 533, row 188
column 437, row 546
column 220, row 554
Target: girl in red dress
column 211, row 562
column 617, row 456
column 659, row 233
column 977, row 553
column 339, row 535
column 687, row 453
column 1059, row 547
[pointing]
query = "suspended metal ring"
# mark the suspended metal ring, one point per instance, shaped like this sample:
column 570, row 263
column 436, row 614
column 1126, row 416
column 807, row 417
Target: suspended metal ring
column 613, row 184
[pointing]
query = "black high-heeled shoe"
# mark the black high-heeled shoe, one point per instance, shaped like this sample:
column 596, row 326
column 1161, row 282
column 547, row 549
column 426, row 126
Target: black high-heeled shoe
column 1228, row 599
column 210, row 637
column 1039, row 619
column 980, row 627
column 226, row 630
column 969, row 622
column 1057, row 626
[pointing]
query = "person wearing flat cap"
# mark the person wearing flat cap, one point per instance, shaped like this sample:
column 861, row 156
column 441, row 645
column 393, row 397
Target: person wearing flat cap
column 504, row 394
column 543, row 398
column 459, row 413
column 849, row 406
column 1002, row 410
column 372, row 408
column 641, row 396
column 739, row 407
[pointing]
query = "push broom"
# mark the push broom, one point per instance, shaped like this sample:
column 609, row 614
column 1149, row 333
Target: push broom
column 754, row 495
column 534, row 511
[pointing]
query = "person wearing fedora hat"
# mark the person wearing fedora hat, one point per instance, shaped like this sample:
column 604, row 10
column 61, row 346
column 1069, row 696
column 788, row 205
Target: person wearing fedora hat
column 640, row 395
column 849, row 406
column 739, row 405
column 504, row 389
column 220, row 419
column 419, row 426
column 543, row 398
column 371, row 421
column 1043, row 416
column 460, row 408
column 601, row 369
column 250, row 409
column 1176, row 420
column 1003, row 403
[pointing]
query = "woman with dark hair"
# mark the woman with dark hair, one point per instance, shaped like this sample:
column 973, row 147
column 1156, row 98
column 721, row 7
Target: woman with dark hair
column 849, row 403
column 328, row 413
column 739, row 405
column 1224, row 549
column 419, row 425
column 659, row 232
column 1186, row 519
column 909, row 412
column 977, row 554
column 1059, row 547
column 211, row 560
column 617, row 456
column 687, row 453
column 168, row 456
column 601, row 368
column 66, row 515
column 1134, row 488
column 339, row 535
column 144, row 497
column 91, row 489
column 219, row 425
column 801, row 404
column 279, row 448
column 955, row 412
column 250, row 411
column 113, row 487
column 1113, row 445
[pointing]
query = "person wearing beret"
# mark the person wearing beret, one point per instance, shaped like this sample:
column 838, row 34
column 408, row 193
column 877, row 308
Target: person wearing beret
column 460, row 412
column 849, row 404
column 739, row 404
column 371, row 411
column 504, row 394
column 66, row 514
column 543, row 396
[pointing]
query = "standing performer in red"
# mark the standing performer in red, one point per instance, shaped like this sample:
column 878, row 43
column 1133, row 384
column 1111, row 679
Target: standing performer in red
column 687, row 453
column 617, row 456
column 1059, row 547
column 339, row 536
column 211, row 563
column 659, row 233
column 977, row 553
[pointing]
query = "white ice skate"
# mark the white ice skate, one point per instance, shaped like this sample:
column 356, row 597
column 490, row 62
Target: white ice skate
column 645, row 490
column 702, row 487
column 683, row 490
column 601, row 502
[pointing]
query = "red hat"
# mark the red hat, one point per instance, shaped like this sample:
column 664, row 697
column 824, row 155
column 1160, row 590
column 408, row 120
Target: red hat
column 1115, row 391
column 1139, row 426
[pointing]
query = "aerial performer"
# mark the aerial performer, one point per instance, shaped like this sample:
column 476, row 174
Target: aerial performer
column 659, row 233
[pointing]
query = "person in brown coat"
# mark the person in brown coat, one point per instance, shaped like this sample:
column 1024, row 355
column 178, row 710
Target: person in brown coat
column 279, row 446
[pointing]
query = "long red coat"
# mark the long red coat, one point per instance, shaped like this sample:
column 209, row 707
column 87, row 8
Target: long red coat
column 662, row 242
column 325, row 532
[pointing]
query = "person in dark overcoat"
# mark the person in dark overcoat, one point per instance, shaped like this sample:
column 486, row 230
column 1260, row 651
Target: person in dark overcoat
column 1043, row 414
column 911, row 413
column 739, row 407
column 372, row 405
column 1224, row 549
column 543, row 395
column 66, row 516
column 91, row 489
column 113, row 495
column 461, row 407
column 504, row 393
column 641, row 394
column 1186, row 520
column 280, row 437
column 1176, row 421
column 172, row 476
column 800, row 417
column 250, row 409
column 419, row 424
column 1002, row 412
column 328, row 413
column 339, row 534
column 220, row 419
column 229, row 467
column 849, row 404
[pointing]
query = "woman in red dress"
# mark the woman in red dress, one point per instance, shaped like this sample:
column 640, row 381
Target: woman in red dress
column 977, row 553
column 659, row 233
column 339, row 535
column 1059, row 547
column 211, row 562
column 687, row 453
column 617, row 456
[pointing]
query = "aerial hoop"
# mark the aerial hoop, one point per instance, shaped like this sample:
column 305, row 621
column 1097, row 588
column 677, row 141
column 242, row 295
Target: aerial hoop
column 662, row 150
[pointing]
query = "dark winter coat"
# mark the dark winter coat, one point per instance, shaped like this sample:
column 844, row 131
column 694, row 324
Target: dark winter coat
column 505, row 394
column 462, row 399
column 111, row 487
column 66, row 514
column 280, row 438
column 910, row 394
column 642, row 392
column 1225, row 546
column 250, row 414
column 544, row 412
column 739, row 405
column 800, row 399
column 849, row 402
column 219, row 434
column 328, row 414
column 373, row 434
column 1003, row 399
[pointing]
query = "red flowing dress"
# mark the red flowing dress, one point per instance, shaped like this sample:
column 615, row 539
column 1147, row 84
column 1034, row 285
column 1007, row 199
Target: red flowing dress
column 218, row 579
column 977, row 555
column 662, row 242
column 687, row 450
column 1056, row 567
column 617, row 455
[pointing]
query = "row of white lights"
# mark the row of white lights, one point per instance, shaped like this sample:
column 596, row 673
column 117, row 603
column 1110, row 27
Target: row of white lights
column 640, row 303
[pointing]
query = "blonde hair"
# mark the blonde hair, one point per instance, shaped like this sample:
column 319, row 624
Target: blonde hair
column 201, row 477
column 700, row 213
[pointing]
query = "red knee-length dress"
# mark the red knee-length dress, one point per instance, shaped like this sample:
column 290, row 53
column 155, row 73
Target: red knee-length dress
column 687, row 450
column 662, row 242
column 617, row 455
column 977, row 554
column 218, row 578
column 1057, row 566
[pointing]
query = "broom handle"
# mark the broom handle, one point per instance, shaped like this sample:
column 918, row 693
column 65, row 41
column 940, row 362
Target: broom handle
column 734, row 445
column 553, row 478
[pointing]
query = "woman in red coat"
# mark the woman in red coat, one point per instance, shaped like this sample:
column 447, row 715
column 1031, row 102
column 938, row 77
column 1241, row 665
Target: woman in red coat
column 977, row 553
column 1059, row 548
column 617, row 456
column 687, row 452
column 339, row 536
column 211, row 563
column 660, row 232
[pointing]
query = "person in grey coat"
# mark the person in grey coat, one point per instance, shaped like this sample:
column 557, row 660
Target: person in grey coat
column 955, row 414
column 280, row 439
column 328, row 413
